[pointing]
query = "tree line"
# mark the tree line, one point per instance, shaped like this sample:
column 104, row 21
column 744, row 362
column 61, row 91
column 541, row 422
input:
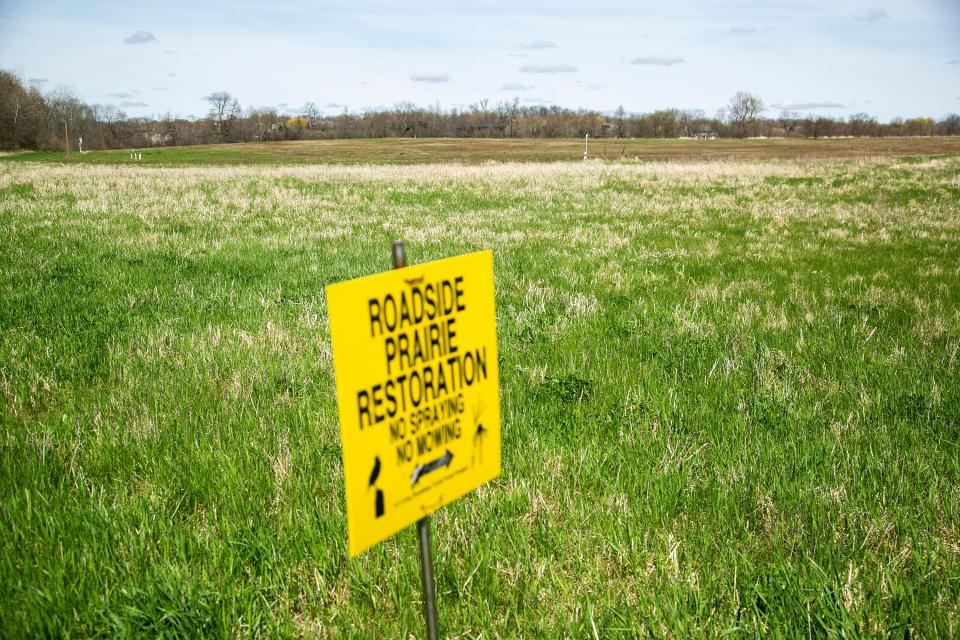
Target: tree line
column 33, row 119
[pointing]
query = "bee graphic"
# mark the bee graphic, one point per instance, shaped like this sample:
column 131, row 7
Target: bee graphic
column 478, row 436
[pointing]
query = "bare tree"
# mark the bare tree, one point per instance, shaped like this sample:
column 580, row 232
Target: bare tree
column 949, row 126
column 224, row 110
column 514, row 111
column 788, row 121
column 13, row 98
column 619, row 116
column 264, row 123
column 743, row 111
column 115, row 131
column 862, row 124
column 819, row 126
column 408, row 119
column 312, row 113
column 506, row 116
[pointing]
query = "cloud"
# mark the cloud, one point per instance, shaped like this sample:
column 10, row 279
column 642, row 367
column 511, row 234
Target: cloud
column 171, row 75
column 535, row 101
column 516, row 86
column 161, row 89
column 953, row 61
column 518, row 55
column 536, row 44
column 334, row 105
column 593, row 86
column 873, row 15
column 169, row 52
column 132, row 103
column 430, row 76
column 806, row 106
column 744, row 29
column 140, row 37
column 658, row 61
column 548, row 68
column 38, row 80
column 124, row 94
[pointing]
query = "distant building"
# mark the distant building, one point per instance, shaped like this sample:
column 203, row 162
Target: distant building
column 322, row 124
column 155, row 138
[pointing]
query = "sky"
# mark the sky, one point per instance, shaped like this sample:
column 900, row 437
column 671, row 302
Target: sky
column 884, row 57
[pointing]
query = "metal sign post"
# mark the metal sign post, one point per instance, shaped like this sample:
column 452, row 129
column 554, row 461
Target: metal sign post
column 426, row 576
column 418, row 396
column 423, row 524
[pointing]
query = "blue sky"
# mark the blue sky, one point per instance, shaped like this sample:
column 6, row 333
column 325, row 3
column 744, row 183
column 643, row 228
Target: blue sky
column 829, row 57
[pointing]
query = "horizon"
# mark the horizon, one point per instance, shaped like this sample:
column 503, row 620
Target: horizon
column 887, row 59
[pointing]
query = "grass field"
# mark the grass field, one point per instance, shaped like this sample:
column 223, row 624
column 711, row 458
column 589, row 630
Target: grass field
column 731, row 400
column 474, row 151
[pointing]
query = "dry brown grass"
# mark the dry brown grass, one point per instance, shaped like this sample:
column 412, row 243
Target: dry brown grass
column 474, row 151
column 406, row 150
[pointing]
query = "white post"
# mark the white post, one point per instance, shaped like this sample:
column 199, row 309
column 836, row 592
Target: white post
column 80, row 140
column 586, row 147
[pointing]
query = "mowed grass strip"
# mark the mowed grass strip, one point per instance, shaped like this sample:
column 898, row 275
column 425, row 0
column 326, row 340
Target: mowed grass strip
column 477, row 151
column 730, row 400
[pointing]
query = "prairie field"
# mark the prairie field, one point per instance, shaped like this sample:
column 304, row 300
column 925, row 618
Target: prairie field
column 730, row 399
column 388, row 151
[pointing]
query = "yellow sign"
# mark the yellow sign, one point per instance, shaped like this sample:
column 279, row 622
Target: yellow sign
column 418, row 390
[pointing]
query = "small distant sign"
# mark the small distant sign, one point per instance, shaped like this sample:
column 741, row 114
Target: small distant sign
column 418, row 390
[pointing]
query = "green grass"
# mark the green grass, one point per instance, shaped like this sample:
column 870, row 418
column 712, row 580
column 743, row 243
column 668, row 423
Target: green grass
column 731, row 400
column 404, row 151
